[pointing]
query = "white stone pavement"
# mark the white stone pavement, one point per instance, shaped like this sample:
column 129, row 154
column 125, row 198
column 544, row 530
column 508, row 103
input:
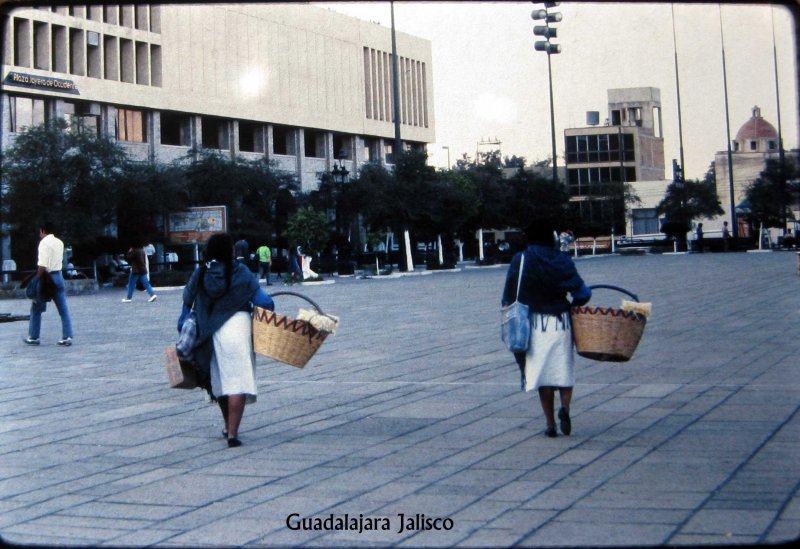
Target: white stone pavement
column 414, row 407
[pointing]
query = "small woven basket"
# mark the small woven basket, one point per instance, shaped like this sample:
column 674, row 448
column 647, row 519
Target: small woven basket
column 285, row 339
column 605, row 333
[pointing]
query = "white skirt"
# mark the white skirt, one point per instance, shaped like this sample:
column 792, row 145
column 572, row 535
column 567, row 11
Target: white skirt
column 233, row 362
column 549, row 361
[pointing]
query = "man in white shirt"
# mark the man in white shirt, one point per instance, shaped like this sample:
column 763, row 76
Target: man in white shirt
column 51, row 256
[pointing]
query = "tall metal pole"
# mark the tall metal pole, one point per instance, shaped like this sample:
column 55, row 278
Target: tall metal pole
column 678, row 88
column 777, row 91
column 552, row 119
column 395, row 91
column 734, row 224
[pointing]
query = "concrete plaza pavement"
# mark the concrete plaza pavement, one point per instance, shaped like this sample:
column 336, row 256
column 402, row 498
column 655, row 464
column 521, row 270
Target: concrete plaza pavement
column 414, row 407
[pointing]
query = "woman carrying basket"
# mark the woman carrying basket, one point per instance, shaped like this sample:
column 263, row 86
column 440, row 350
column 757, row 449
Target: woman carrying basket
column 221, row 292
column 547, row 277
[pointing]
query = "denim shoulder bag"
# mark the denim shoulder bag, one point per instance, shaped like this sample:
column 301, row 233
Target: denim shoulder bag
column 515, row 320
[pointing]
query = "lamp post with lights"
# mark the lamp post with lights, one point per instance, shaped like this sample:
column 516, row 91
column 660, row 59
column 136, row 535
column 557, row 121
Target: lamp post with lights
column 547, row 31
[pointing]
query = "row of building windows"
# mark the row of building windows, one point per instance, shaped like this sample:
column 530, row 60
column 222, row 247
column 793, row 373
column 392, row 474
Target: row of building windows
column 131, row 125
column 772, row 145
column 582, row 149
column 145, row 17
column 68, row 50
column 378, row 82
column 581, row 180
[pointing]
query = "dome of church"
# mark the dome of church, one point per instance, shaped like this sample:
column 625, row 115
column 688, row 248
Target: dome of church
column 756, row 128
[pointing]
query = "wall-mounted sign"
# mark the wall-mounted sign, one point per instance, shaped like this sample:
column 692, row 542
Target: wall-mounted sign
column 196, row 225
column 40, row 82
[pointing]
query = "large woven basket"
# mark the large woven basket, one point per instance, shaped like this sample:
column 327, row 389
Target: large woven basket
column 285, row 339
column 606, row 333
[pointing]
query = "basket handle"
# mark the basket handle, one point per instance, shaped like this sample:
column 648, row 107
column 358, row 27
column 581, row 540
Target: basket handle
column 301, row 296
column 617, row 288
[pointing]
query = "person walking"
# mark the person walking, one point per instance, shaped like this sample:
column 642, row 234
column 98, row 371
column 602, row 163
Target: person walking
column 548, row 275
column 139, row 273
column 221, row 292
column 264, row 254
column 699, row 237
column 48, row 268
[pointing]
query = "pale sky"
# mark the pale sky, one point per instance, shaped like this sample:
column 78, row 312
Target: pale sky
column 488, row 82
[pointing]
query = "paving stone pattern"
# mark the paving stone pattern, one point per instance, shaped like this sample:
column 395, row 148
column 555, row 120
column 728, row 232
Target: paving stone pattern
column 414, row 407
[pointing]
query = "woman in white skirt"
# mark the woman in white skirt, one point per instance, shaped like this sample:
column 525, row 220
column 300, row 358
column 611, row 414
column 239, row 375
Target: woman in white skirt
column 548, row 275
column 222, row 292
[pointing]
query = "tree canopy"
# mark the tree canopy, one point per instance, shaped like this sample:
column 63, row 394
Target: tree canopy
column 773, row 193
column 685, row 201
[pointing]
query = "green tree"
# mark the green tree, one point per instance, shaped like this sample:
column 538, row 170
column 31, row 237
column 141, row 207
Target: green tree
column 70, row 178
column 685, row 201
column 146, row 193
column 309, row 229
column 494, row 193
column 536, row 196
column 375, row 184
column 257, row 197
column 771, row 195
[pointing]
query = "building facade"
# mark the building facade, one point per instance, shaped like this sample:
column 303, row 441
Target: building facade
column 627, row 148
column 303, row 86
column 755, row 143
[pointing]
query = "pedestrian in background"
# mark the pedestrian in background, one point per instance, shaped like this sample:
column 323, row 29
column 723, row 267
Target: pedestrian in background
column 548, row 275
column 264, row 254
column 222, row 291
column 139, row 273
column 699, row 237
column 48, row 268
column 242, row 250
column 726, row 236
column 150, row 252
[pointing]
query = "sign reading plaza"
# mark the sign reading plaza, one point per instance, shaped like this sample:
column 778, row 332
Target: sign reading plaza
column 40, row 82
column 196, row 225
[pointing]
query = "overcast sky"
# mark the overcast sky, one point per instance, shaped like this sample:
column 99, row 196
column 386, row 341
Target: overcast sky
column 488, row 82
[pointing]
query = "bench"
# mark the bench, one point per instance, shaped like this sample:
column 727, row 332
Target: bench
column 586, row 243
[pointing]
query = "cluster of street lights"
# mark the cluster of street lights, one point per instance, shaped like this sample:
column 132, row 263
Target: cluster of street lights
column 547, row 31
column 339, row 172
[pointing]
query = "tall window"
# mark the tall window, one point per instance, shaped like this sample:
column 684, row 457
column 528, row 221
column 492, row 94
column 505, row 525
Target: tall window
column 25, row 112
column 131, row 126
column 175, row 129
column 582, row 149
column 378, row 90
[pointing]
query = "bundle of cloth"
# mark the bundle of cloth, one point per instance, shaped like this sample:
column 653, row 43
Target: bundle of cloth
column 643, row 309
column 322, row 322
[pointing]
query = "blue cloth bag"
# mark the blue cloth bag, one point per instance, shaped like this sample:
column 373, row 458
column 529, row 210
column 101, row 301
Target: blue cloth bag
column 515, row 321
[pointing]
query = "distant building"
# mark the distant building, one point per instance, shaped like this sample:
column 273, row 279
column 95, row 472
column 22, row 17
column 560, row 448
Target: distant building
column 755, row 143
column 628, row 148
column 301, row 85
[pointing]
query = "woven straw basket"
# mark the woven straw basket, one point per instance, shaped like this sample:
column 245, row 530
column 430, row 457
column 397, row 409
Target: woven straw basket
column 284, row 339
column 605, row 333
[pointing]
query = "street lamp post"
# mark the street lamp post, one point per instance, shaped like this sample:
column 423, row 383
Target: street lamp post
column 448, row 155
column 547, row 32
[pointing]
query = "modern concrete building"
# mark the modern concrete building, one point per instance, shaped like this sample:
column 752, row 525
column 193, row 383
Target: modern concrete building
column 628, row 147
column 301, row 85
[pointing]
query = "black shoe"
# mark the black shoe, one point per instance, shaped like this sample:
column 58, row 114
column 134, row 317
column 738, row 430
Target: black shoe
column 551, row 432
column 564, row 422
column 31, row 341
column 234, row 442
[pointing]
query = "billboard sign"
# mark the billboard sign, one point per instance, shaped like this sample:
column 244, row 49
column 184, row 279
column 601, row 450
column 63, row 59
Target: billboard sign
column 196, row 225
